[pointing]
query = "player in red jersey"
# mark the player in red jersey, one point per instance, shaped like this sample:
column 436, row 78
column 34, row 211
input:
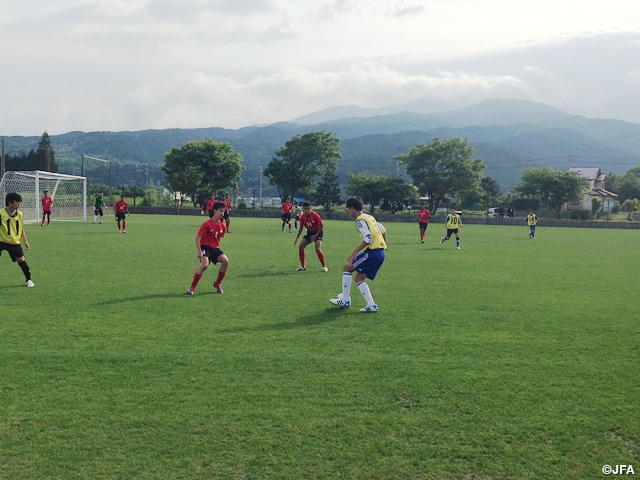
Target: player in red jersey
column 423, row 218
column 286, row 207
column 208, row 208
column 313, row 223
column 208, row 243
column 47, row 202
column 227, row 212
column 121, row 208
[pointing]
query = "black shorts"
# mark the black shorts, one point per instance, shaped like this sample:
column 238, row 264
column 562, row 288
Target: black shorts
column 225, row 216
column 15, row 251
column 98, row 211
column 45, row 212
column 309, row 234
column 211, row 253
column 120, row 216
column 451, row 231
column 286, row 217
column 423, row 226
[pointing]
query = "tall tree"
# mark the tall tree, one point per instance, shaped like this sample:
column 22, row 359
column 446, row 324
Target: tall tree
column 301, row 160
column 552, row 188
column 328, row 191
column 46, row 156
column 373, row 188
column 443, row 167
column 203, row 167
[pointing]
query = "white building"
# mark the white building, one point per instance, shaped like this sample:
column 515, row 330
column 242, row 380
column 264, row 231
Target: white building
column 595, row 189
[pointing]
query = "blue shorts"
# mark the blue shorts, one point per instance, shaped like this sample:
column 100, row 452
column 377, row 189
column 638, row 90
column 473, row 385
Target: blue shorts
column 369, row 262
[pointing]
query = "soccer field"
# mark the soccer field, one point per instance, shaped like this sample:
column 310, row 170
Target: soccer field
column 509, row 359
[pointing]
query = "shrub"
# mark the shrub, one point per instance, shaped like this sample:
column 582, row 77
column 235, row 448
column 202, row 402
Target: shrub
column 580, row 214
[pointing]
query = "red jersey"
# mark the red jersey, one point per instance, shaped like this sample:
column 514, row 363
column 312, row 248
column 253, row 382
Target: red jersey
column 227, row 204
column 211, row 233
column 287, row 207
column 424, row 215
column 210, row 204
column 46, row 204
column 121, row 206
column 312, row 222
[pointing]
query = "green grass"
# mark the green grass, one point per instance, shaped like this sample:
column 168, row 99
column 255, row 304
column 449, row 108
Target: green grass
column 511, row 358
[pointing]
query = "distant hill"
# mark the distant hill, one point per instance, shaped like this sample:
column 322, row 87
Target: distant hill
column 508, row 135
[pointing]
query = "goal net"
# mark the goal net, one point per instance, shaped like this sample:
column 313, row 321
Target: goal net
column 68, row 192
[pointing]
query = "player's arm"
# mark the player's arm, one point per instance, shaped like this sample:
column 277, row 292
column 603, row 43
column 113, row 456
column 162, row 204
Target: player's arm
column 24, row 239
column 298, row 236
column 199, row 246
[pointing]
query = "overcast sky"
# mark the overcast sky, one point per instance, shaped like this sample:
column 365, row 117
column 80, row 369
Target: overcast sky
column 110, row 65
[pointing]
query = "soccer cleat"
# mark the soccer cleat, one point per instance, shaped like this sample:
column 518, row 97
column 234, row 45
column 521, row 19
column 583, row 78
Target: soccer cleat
column 325, row 269
column 189, row 292
column 301, row 269
column 458, row 248
column 218, row 288
column 339, row 301
column 441, row 240
column 422, row 241
column 30, row 283
column 370, row 309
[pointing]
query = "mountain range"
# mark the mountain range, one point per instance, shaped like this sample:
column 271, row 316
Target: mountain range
column 508, row 135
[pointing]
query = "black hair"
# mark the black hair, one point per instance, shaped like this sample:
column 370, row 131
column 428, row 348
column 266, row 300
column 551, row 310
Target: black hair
column 354, row 203
column 306, row 204
column 12, row 197
column 218, row 205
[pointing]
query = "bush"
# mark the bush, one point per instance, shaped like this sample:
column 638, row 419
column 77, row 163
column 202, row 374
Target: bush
column 242, row 206
column 525, row 204
column 580, row 214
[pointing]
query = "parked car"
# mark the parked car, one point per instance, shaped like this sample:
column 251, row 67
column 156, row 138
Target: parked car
column 496, row 212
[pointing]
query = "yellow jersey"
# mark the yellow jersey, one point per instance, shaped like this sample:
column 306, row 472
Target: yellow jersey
column 370, row 231
column 532, row 219
column 10, row 227
column 453, row 221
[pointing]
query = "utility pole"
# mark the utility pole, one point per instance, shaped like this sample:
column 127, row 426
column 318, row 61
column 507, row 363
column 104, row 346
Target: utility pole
column 3, row 166
column 260, row 167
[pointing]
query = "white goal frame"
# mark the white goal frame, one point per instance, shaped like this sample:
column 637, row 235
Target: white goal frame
column 69, row 194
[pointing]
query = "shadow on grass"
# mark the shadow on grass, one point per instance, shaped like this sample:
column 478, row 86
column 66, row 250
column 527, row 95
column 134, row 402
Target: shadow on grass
column 272, row 273
column 154, row 296
column 319, row 318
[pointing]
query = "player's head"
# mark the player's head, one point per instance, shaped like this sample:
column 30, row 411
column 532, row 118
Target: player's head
column 453, row 210
column 530, row 212
column 354, row 204
column 101, row 193
column 12, row 198
column 218, row 210
column 46, row 193
column 121, row 197
column 288, row 199
column 306, row 208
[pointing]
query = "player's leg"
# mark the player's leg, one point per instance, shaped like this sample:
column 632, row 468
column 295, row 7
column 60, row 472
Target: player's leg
column 224, row 265
column 457, row 240
column 16, row 255
column 204, row 263
column 43, row 216
column 48, row 218
column 321, row 255
column 302, row 255
column 366, row 293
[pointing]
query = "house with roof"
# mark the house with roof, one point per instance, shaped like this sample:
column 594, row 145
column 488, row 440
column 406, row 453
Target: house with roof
column 595, row 189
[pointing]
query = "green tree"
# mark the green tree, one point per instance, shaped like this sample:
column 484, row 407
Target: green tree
column 202, row 167
column 443, row 167
column 301, row 160
column 328, row 191
column 373, row 188
column 490, row 189
column 552, row 188
column 596, row 205
column 630, row 206
column 45, row 155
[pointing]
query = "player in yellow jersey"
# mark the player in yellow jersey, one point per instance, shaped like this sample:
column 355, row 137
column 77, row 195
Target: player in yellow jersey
column 453, row 223
column 11, row 231
column 532, row 221
column 365, row 264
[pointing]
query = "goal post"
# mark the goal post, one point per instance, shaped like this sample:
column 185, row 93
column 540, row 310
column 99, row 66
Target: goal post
column 68, row 192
